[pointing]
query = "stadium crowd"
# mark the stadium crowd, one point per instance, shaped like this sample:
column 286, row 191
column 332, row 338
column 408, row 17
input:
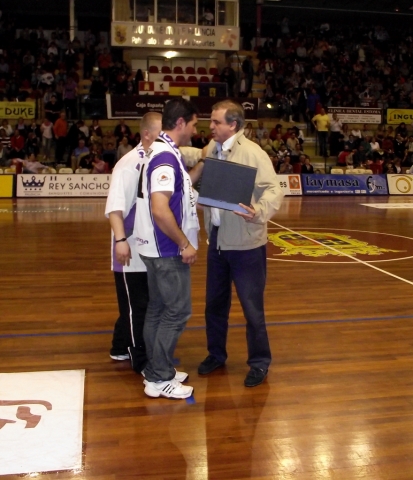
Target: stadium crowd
column 304, row 71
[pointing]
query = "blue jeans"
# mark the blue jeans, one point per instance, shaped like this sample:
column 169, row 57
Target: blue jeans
column 247, row 269
column 169, row 308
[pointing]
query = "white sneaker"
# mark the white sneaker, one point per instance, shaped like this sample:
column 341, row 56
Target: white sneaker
column 169, row 389
column 120, row 358
column 179, row 376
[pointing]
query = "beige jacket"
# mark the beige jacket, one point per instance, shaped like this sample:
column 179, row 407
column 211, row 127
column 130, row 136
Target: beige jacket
column 234, row 232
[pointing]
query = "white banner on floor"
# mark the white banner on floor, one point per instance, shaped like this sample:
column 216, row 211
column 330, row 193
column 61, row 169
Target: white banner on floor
column 41, row 420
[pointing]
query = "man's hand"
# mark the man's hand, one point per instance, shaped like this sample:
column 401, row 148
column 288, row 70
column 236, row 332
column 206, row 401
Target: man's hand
column 123, row 253
column 246, row 216
column 189, row 255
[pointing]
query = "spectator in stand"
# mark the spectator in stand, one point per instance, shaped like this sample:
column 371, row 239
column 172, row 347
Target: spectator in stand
column 70, row 98
column 248, row 71
column 70, row 57
column 312, row 100
column 96, row 127
column 266, row 143
column 294, row 147
column 99, row 166
column 60, row 130
column 402, row 131
column 4, row 159
column 248, row 130
column 46, row 129
column 367, row 132
column 124, row 147
column 104, row 63
column 276, row 144
column 32, row 144
column 254, row 137
column 335, row 132
column 17, row 145
column 307, row 167
column 228, row 76
column 108, row 138
column 21, row 127
column 342, row 157
column 390, row 132
column 122, row 130
column 52, row 109
column 5, row 139
column 86, row 163
column 7, row 128
column 321, row 122
column 109, row 155
column 80, row 151
column 408, row 154
column 399, row 146
column 200, row 141
column 95, row 141
column 351, row 143
column 286, row 168
column 83, row 128
column 359, row 158
column 276, row 130
column 30, row 165
column 388, row 167
column 135, row 140
column 34, row 127
column 260, row 130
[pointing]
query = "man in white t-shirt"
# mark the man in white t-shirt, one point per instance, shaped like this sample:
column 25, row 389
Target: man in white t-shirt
column 129, row 270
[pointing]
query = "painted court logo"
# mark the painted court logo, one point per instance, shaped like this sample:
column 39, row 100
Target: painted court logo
column 317, row 244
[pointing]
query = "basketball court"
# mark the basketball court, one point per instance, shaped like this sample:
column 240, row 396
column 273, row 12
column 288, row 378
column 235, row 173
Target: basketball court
column 337, row 403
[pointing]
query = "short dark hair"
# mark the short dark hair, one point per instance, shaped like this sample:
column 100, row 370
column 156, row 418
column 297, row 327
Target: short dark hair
column 176, row 109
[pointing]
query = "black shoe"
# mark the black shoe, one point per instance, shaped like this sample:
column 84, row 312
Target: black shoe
column 255, row 377
column 209, row 365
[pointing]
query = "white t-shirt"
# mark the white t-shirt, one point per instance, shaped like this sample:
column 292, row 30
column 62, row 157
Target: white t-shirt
column 122, row 197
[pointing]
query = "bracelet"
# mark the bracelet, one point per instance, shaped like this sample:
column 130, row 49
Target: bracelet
column 121, row 240
column 186, row 246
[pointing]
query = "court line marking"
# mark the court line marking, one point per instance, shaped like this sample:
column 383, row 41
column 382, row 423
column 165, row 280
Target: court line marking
column 234, row 325
column 344, row 254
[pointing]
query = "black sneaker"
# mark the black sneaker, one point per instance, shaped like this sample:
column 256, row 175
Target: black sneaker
column 255, row 377
column 209, row 365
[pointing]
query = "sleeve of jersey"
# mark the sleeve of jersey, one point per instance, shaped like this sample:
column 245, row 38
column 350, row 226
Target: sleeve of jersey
column 161, row 173
column 122, row 191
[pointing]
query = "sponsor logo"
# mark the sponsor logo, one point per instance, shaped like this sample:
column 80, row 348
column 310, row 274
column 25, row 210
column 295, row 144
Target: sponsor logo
column 141, row 241
column 163, row 179
column 247, row 106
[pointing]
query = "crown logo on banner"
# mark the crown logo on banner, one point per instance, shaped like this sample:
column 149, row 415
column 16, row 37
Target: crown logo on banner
column 33, row 183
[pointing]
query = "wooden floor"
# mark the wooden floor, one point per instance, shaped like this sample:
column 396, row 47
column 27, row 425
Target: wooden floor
column 338, row 402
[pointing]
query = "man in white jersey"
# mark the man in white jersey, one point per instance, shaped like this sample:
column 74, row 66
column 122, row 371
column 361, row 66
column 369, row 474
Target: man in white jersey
column 167, row 241
column 129, row 270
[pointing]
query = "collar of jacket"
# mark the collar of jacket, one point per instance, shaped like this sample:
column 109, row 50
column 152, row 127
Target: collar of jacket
column 239, row 138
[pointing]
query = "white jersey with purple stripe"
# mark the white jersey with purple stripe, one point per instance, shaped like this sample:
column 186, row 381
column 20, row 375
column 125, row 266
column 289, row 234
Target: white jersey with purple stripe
column 123, row 191
column 163, row 174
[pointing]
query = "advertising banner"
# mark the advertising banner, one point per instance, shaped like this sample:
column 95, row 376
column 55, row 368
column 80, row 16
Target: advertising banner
column 135, row 106
column 290, row 184
column 6, row 186
column 344, row 184
column 12, row 110
column 400, row 184
column 164, row 35
column 399, row 115
column 357, row 115
column 62, row 185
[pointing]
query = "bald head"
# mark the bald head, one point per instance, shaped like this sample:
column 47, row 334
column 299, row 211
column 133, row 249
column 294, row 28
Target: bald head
column 151, row 125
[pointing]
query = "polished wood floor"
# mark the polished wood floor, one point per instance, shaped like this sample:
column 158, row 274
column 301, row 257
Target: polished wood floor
column 338, row 401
